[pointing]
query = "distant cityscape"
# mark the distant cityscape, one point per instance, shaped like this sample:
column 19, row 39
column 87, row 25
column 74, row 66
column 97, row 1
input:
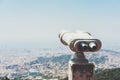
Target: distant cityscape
column 49, row 64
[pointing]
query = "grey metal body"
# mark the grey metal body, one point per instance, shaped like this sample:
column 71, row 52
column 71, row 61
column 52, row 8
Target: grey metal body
column 79, row 42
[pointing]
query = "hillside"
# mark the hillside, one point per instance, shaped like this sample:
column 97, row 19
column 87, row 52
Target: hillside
column 50, row 62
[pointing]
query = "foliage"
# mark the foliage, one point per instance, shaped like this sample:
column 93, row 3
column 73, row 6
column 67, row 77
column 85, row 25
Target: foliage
column 4, row 78
column 109, row 74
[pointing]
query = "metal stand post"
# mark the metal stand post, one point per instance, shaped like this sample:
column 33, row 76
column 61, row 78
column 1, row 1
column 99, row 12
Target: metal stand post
column 79, row 68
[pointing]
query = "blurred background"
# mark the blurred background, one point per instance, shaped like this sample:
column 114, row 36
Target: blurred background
column 29, row 43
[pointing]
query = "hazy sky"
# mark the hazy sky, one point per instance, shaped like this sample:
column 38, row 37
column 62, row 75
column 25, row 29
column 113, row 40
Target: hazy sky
column 37, row 23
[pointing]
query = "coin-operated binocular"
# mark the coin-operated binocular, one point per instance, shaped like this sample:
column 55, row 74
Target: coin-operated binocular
column 80, row 42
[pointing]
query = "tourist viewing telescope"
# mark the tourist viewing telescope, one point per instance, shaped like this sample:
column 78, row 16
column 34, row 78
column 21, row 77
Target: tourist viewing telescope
column 80, row 42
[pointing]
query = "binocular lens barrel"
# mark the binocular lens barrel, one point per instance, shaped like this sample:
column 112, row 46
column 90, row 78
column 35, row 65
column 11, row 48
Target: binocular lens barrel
column 83, row 47
column 92, row 46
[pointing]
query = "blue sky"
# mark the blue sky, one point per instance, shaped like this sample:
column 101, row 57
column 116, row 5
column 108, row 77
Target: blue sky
column 37, row 23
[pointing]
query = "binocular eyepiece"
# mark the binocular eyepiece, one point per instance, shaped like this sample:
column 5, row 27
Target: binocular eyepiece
column 80, row 42
column 85, row 45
